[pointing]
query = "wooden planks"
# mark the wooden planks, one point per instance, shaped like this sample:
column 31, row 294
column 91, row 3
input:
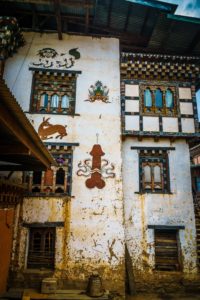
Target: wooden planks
column 166, row 250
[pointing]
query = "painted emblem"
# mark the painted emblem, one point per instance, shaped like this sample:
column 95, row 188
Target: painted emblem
column 98, row 169
column 47, row 53
column 98, row 92
column 50, row 58
column 46, row 130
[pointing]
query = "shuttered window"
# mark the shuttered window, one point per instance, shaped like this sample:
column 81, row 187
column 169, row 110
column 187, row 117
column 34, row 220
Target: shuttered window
column 166, row 250
column 41, row 248
column 154, row 171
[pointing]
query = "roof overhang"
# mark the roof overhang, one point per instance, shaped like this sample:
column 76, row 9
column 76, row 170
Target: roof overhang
column 141, row 25
column 20, row 147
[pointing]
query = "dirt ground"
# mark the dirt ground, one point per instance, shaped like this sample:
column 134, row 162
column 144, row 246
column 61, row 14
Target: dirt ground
column 164, row 297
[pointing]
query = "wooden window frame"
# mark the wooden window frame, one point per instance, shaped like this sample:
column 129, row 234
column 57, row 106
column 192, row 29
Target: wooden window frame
column 153, row 158
column 34, row 258
column 153, row 110
column 40, row 189
column 51, row 84
column 153, row 184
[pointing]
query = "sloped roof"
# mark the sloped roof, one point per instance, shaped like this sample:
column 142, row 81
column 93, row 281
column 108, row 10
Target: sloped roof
column 20, row 147
column 142, row 25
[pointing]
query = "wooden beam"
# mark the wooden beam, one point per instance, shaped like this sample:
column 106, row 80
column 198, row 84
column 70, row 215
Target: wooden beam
column 148, row 26
column 47, row 14
column 66, row 3
column 21, row 168
column 87, row 17
column 95, row 10
column 42, row 23
column 194, row 43
column 2, row 66
column 128, row 16
column 14, row 148
column 131, row 38
column 19, row 158
column 16, row 126
column 167, row 35
column 58, row 18
column 34, row 16
column 79, row 3
column 142, row 32
column 109, row 13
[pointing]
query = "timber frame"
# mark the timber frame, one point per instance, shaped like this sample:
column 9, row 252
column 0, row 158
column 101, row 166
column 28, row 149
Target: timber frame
column 156, row 31
column 20, row 147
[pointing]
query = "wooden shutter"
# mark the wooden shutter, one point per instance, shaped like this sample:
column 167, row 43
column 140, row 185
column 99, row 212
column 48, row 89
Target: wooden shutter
column 41, row 248
column 166, row 250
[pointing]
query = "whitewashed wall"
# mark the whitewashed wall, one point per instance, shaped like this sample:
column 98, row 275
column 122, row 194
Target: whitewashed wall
column 146, row 209
column 93, row 236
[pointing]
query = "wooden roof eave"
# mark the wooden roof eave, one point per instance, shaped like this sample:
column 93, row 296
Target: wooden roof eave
column 12, row 116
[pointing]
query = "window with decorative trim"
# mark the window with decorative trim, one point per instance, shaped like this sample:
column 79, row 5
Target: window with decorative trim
column 56, row 180
column 41, row 251
column 53, row 92
column 167, row 254
column 158, row 100
column 154, row 171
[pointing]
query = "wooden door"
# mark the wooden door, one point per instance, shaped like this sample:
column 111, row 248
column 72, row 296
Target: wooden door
column 6, row 231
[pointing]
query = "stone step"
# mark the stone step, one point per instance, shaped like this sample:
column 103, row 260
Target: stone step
column 60, row 295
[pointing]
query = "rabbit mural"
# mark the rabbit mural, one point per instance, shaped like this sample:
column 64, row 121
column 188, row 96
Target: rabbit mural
column 46, row 130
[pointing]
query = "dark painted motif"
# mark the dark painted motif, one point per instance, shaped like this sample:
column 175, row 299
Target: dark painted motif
column 47, row 53
column 46, row 130
column 50, row 58
column 98, row 169
column 98, row 92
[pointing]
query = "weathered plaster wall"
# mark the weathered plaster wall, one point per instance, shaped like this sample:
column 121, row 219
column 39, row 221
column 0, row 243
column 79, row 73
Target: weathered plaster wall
column 158, row 209
column 93, row 235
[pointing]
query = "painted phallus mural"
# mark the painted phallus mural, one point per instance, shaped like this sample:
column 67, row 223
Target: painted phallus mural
column 96, row 168
column 46, row 130
column 98, row 92
column 50, row 58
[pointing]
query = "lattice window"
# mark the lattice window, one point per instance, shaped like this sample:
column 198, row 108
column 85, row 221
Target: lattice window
column 56, row 180
column 154, row 175
column 41, row 250
column 166, row 250
column 158, row 100
column 53, row 93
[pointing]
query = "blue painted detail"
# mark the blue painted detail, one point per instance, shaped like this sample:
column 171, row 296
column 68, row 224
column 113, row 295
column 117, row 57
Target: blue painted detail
column 158, row 98
column 184, row 18
column 156, row 4
column 65, row 102
column 62, row 144
column 147, row 98
column 169, row 99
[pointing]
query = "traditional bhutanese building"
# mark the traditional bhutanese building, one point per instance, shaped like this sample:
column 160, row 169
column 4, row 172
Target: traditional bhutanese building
column 112, row 97
column 158, row 117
